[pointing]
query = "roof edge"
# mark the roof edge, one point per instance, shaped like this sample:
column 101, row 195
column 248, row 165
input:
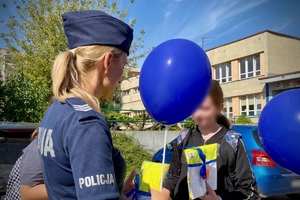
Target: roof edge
column 243, row 38
column 278, row 75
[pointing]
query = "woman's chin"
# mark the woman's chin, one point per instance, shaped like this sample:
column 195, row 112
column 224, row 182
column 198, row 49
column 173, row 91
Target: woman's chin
column 108, row 96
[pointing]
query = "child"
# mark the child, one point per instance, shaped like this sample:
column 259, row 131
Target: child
column 211, row 128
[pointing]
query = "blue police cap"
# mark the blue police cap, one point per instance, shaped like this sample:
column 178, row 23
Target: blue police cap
column 92, row 27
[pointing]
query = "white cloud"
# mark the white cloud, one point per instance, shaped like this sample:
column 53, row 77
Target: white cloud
column 214, row 16
column 167, row 14
column 201, row 21
column 234, row 27
column 286, row 23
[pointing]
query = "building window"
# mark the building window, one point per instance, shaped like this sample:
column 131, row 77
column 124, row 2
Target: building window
column 223, row 73
column 7, row 57
column 136, row 90
column 227, row 111
column 126, row 92
column 139, row 112
column 250, row 104
column 127, row 113
column 250, row 67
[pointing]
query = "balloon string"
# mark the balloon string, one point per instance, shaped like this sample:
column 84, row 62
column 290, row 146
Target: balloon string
column 164, row 157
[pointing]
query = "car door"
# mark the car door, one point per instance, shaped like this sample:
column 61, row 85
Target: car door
column 12, row 142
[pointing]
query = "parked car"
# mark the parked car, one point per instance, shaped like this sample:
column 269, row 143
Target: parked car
column 272, row 179
column 14, row 137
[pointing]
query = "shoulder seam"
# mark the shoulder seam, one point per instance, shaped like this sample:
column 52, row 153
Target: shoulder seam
column 77, row 125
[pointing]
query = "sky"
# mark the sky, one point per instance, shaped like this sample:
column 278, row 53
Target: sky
column 218, row 21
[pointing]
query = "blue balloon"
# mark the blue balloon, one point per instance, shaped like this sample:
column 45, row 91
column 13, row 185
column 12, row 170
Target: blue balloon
column 174, row 80
column 279, row 129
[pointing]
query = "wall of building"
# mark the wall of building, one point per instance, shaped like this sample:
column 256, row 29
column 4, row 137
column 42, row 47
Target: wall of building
column 237, row 50
column 131, row 101
column 232, row 53
column 242, row 87
column 2, row 64
column 283, row 54
column 153, row 140
column 130, row 83
column 134, row 105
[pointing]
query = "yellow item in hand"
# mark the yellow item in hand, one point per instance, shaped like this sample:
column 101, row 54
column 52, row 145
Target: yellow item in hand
column 196, row 184
column 150, row 175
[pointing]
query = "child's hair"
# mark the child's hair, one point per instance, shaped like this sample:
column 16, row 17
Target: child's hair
column 36, row 131
column 34, row 134
column 216, row 94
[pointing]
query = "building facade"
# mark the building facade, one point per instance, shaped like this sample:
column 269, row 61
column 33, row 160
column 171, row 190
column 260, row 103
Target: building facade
column 5, row 66
column 131, row 99
column 250, row 72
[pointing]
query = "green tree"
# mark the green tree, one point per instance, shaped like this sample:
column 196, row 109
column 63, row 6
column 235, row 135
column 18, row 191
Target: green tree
column 243, row 120
column 36, row 36
column 22, row 100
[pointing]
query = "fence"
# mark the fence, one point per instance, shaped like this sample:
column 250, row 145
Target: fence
column 142, row 117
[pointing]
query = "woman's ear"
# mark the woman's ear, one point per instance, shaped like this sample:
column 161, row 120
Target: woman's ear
column 107, row 61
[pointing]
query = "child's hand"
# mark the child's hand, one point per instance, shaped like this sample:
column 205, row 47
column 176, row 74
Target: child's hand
column 128, row 185
column 159, row 195
column 210, row 195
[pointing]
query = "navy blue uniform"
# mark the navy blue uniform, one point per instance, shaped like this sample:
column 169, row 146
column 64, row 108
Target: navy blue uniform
column 78, row 157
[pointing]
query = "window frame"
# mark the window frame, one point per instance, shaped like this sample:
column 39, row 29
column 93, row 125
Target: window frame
column 227, row 77
column 136, row 90
column 256, row 110
column 228, row 114
column 255, row 71
column 126, row 92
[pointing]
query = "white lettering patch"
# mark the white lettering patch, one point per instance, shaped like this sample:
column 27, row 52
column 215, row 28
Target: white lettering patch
column 101, row 179
column 45, row 142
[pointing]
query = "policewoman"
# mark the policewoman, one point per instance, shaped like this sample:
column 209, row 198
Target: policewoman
column 78, row 157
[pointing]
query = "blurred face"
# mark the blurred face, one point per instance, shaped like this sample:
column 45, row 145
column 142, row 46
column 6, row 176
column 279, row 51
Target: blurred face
column 206, row 115
column 113, row 71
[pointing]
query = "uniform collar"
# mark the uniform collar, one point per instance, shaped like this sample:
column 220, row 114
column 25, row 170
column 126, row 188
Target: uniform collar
column 75, row 101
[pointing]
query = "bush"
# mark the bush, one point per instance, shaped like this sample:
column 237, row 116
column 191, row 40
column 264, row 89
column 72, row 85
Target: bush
column 188, row 124
column 243, row 120
column 131, row 150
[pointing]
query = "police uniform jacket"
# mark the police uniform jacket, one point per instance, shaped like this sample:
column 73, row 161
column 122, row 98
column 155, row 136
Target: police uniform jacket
column 78, row 158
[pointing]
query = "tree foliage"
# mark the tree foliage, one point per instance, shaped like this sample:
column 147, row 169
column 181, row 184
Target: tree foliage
column 36, row 37
column 139, row 122
column 136, row 123
column 22, row 100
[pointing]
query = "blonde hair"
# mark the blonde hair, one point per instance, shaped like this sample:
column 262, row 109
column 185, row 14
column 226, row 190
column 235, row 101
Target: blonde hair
column 71, row 66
